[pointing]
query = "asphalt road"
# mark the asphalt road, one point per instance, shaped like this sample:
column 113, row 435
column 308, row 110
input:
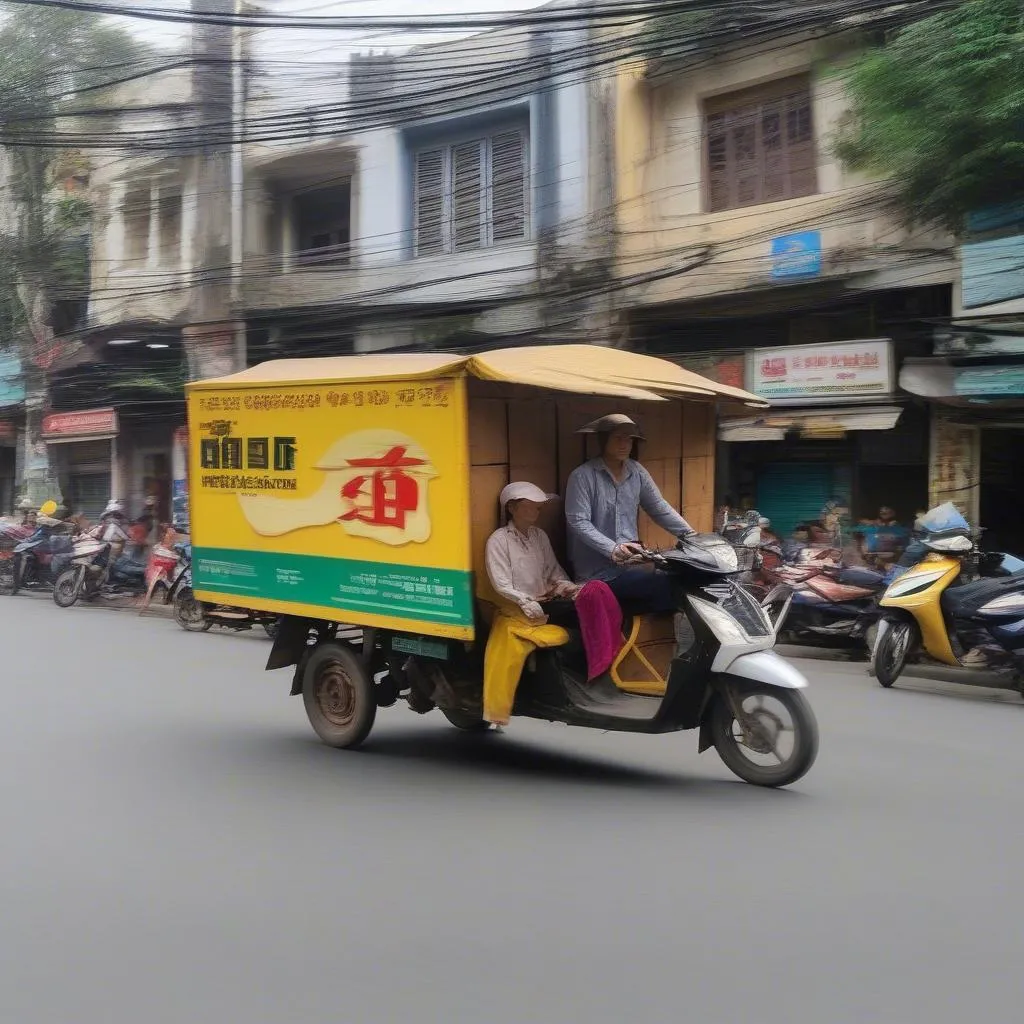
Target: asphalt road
column 179, row 849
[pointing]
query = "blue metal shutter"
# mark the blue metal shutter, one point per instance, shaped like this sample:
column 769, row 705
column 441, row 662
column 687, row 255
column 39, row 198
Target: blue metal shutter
column 789, row 493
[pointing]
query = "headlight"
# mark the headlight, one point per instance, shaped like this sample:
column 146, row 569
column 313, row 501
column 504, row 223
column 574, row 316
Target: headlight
column 957, row 545
column 1008, row 604
column 721, row 623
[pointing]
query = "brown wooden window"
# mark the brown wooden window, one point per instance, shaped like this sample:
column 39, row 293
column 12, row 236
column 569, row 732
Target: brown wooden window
column 759, row 145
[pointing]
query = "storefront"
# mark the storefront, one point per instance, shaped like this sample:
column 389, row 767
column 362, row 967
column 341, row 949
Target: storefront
column 83, row 447
column 975, row 385
column 837, row 430
column 8, row 464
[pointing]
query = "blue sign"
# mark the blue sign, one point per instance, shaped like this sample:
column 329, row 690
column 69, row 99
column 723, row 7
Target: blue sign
column 993, row 271
column 796, row 255
column 12, row 385
column 1006, row 381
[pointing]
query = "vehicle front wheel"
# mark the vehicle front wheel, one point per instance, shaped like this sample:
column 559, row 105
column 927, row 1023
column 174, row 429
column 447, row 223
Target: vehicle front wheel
column 7, row 576
column 67, row 588
column 466, row 721
column 339, row 696
column 17, row 575
column 777, row 740
column 889, row 656
column 188, row 612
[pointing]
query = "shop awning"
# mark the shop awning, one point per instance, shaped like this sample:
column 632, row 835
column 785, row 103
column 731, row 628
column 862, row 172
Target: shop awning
column 812, row 424
column 581, row 369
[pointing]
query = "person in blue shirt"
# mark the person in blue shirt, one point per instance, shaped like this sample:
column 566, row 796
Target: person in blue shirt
column 602, row 504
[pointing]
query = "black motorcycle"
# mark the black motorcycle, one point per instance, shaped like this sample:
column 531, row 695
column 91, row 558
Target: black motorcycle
column 37, row 559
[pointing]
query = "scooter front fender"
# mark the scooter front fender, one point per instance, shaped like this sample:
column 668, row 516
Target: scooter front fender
column 768, row 667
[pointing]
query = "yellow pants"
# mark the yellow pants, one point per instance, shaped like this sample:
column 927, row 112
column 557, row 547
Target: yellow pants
column 511, row 642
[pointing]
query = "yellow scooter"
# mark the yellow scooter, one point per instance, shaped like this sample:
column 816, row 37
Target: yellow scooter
column 923, row 609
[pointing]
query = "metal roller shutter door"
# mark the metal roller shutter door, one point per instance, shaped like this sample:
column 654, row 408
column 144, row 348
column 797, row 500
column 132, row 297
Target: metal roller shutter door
column 789, row 493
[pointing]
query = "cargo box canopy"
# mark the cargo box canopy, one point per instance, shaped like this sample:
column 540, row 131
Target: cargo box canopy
column 580, row 369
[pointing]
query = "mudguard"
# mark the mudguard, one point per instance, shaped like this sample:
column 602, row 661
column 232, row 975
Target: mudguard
column 768, row 667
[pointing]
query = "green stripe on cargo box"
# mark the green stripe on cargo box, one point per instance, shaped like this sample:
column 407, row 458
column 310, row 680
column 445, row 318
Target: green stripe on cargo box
column 408, row 592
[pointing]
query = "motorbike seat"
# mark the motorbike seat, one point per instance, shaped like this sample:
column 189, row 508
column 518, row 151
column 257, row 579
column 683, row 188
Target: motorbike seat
column 859, row 576
column 964, row 601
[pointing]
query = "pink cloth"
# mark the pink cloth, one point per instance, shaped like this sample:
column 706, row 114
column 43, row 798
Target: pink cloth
column 601, row 625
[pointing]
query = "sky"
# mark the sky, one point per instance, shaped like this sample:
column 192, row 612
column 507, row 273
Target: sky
column 306, row 64
column 319, row 44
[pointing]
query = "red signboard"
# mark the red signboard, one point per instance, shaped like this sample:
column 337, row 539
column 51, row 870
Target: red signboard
column 88, row 423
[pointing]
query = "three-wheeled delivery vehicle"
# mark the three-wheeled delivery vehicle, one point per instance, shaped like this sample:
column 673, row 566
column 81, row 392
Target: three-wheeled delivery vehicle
column 353, row 496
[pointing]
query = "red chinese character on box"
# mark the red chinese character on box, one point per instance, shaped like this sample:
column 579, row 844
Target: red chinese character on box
column 385, row 496
column 775, row 367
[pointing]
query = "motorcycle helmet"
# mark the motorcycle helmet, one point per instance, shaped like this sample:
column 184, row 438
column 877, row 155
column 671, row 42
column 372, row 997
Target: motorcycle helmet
column 114, row 508
column 25, row 505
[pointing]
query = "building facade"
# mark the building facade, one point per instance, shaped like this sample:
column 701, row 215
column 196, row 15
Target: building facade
column 442, row 198
column 747, row 251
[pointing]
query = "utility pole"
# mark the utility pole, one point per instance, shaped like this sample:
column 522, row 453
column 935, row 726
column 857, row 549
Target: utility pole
column 215, row 337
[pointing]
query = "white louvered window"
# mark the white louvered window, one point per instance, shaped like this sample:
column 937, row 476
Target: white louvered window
column 472, row 195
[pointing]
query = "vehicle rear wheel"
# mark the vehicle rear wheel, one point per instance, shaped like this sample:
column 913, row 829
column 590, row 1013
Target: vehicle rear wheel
column 67, row 587
column 17, row 572
column 777, row 741
column 466, row 721
column 339, row 697
column 188, row 612
column 891, row 650
column 7, row 576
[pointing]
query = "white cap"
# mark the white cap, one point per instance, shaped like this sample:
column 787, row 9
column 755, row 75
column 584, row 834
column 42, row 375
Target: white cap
column 520, row 491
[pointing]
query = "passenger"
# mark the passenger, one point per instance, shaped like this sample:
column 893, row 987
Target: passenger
column 521, row 564
column 602, row 503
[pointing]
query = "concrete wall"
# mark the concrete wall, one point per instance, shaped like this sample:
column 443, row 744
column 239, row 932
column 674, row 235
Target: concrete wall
column 661, row 186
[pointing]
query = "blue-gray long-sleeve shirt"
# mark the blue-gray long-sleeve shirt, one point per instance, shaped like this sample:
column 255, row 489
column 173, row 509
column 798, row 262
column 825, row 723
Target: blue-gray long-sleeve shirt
column 602, row 514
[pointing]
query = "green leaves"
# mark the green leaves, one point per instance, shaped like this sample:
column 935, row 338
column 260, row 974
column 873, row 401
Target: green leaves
column 940, row 110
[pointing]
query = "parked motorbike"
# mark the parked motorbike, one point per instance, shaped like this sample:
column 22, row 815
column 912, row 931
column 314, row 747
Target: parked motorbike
column 836, row 606
column 957, row 607
column 11, row 535
column 34, row 556
column 194, row 615
column 95, row 573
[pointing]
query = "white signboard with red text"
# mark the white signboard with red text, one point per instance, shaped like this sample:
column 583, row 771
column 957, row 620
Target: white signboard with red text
column 836, row 371
column 89, row 424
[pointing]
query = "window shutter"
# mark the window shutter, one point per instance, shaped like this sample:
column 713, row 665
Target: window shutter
column 429, row 202
column 760, row 146
column 718, row 163
column 803, row 171
column 746, row 168
column 508, row 186
column 467, row 200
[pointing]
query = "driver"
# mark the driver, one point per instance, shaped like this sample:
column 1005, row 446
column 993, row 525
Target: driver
column 603, row 500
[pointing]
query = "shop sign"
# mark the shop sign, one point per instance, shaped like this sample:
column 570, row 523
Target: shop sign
column 1005, row 381
column 12, row 384
column 992, row 271
column 837, row 370
column 65, row 426
column 796, row 255
column 978, row 343
column 954, row 464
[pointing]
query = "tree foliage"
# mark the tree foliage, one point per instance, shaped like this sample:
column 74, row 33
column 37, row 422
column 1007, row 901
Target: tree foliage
column 940, row 111
column 52, row 58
